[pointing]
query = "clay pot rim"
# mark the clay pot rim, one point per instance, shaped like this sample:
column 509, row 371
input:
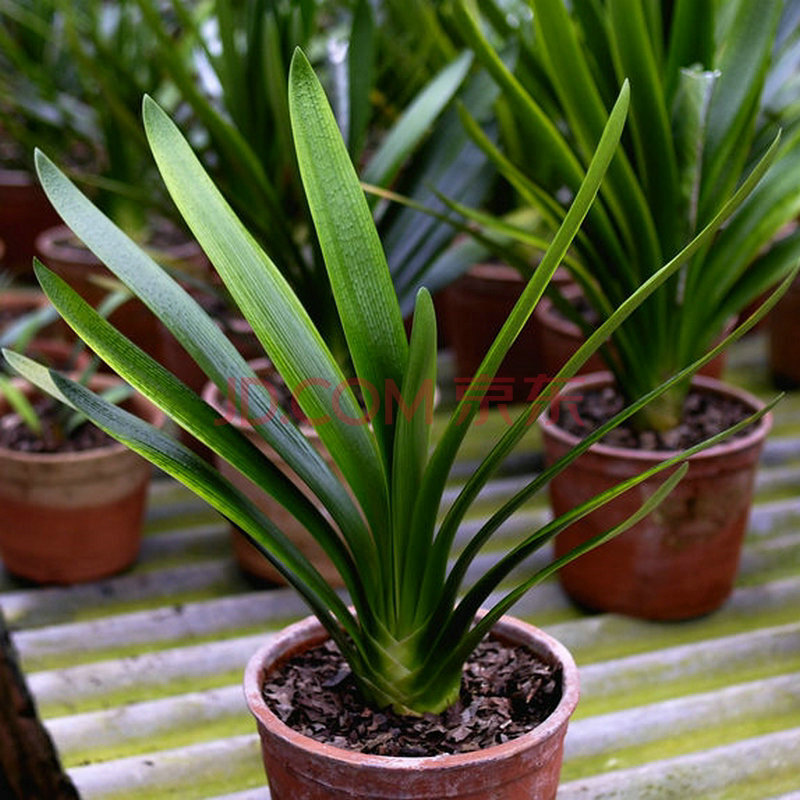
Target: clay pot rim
column 25, row 296
column 151, row 414
column 309, row 632
column 711, row 385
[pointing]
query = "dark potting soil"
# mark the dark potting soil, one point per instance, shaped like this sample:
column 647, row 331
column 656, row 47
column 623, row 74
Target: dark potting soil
column 505, row 692
column 15, row 435
column 704, row 415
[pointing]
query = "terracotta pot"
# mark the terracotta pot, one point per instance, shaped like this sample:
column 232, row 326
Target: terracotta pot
column 681, row 560
column 299, row 767
column 73, row 517
column 477, row 305
column 248, row 557
column 560, row 338
column 784, row 334
column 61, row 252
column 25, row 211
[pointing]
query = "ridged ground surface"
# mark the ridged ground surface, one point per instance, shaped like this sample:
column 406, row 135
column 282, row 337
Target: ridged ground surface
column 138, row 677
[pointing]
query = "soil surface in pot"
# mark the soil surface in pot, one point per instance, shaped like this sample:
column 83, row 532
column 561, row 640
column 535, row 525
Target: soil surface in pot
column 704, row 415
column 505, row 692
column 15, row 435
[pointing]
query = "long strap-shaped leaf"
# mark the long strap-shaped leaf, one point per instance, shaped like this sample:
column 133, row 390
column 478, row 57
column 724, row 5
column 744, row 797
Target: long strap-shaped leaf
column 354, row 257
column 444, row 455
column 180, row 462
column 278, row 319
column 182, row 405
column 438, row 558
column 198, row 334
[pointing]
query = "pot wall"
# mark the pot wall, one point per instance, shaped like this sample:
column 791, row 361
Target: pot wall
column 299, row 767
column 477, row 305
column 681, row 560
column 25, row 211
column 784, row 334
column 73, row 517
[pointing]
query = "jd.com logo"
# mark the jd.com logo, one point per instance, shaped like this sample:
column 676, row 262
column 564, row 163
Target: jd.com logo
column 497, row 393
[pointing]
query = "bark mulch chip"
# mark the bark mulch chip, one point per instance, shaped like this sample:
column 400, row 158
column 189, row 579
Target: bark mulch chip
column 505, row 692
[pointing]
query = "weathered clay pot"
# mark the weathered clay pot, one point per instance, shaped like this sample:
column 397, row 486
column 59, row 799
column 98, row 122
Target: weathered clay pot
column 299, row 767
column 560, row 338
column 61, row 252
column 248, row 557
column 784, row 335
column 25, row 211
column 477, row 305
column 73, row 517
column 681, row 560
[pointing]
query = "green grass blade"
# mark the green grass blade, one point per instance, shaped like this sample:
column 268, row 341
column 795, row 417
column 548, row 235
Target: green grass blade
column 360, row 75
column 20, row 404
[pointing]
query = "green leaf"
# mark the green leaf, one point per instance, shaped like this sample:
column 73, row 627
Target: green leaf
column 197, row 333
column 415, row 122
column 412, row 438
column 20, row 404
column 357, row 268
column 360, row 75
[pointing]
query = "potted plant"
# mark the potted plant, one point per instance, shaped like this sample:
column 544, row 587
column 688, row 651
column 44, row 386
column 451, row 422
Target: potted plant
column 409, row 631
column 73, row 498
column 693, row 112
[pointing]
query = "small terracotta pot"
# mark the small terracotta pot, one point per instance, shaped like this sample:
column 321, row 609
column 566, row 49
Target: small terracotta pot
column 560, row 338
column 784, row 334
column 477, row 305
column 248, row 557
column 15, row 303
column 73, row 517
column 681, row 560
column 25, row 211
column 61, row 252
column 58, row 354
column 299, row 767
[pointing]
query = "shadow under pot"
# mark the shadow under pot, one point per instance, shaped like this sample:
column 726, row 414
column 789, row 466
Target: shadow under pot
column 70, row 517
column 249, row 558
column 681, row 560
column 297, row 766
column 67, row 256
column 560, row 337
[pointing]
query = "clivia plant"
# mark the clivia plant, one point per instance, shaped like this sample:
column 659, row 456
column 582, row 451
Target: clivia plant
column 412, row 623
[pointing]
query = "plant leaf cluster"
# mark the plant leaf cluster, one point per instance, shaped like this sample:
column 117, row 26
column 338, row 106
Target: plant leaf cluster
column 412, row 622
column 697, row 73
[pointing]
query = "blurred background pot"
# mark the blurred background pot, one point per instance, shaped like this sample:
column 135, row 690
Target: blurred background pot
column 73, row 517
column 681, row 560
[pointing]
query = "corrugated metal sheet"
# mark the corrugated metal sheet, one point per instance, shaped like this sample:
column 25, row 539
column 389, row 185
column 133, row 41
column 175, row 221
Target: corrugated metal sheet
column 138, row 677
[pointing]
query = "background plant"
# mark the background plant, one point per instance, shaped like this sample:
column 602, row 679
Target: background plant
column 412, row 628
column 697, row 73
